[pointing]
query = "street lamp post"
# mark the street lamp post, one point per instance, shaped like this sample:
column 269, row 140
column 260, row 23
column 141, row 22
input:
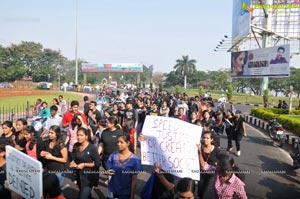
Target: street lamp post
column 58, row 75
column 291, row 98
column 224, row 44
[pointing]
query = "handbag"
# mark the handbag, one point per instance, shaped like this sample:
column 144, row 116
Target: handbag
column 147, row 189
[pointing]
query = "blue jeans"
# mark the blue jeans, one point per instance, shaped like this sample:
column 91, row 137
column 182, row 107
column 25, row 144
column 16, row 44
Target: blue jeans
column 60, row 177
column 85, row 192
column 109, row 193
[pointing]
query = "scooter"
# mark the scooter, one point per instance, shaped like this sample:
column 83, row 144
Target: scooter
column 276, row 132
column 296, row 156
column 38, row 123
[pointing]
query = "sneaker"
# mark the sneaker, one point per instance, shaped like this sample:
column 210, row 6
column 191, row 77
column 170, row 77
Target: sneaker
column 238, row 153
column 229, row 149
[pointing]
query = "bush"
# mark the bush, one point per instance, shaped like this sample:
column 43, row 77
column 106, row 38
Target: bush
column 178, row 89
column 266, row 97
column 229, row 92
column 160, row 87
column 291, row 124
column 201, row 91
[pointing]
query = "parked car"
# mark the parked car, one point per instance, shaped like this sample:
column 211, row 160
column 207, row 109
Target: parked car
column 6, row 85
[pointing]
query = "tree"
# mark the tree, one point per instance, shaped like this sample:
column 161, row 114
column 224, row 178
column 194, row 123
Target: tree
column 229, row 92
column 185, row 66
column 27, row 53
column 266, row 97
column 201, row 91
column 173, row 78
column 10, row 69
column 277, row 84
column 295, row 80
column 157, row 78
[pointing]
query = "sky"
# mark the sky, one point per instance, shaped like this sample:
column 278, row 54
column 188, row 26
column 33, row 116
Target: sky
column 151, row 32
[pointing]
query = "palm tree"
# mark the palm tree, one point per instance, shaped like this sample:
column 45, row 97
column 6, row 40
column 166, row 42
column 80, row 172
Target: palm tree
column 185, row 67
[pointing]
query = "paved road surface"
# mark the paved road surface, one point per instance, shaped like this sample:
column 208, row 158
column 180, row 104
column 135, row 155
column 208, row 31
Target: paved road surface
column 270, row 174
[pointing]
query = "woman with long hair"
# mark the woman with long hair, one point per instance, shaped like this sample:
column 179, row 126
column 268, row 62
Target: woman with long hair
column 30, row 136
column 172, row 107
column 229, row 128
column 239, row 131
column 239, row 59
column 123, row 166
column 20, row 140
column 128, row 127
column 86, row 162
column 53, row 152
column 71, row 138
column 207, row 153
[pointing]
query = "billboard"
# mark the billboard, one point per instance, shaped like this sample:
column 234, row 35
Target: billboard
column 112, row 68
column 285, row 16
column 263, row 62
column 241, row 20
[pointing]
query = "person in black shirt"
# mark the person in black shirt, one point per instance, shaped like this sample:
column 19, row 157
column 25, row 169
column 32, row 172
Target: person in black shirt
column 93, row 116
column 86, row 106
column 4, row 193
column 86, row 162
column 20, row 140
column 108, row 143
column 108, row 140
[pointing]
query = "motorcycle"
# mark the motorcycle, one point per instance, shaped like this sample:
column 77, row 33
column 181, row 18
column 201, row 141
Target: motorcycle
column 38, row 123
column 276, row 132
column 296, row 156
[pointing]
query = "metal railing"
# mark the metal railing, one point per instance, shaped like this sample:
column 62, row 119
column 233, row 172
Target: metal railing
column 8, row 113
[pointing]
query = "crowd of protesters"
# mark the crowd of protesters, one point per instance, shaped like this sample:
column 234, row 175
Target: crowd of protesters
column 105, row 134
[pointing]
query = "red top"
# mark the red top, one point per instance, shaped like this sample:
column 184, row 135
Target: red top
column 68, row 116
column 59, row 197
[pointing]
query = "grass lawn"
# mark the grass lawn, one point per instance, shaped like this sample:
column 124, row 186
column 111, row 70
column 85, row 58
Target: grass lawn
column 14, row 101
column 296, row 117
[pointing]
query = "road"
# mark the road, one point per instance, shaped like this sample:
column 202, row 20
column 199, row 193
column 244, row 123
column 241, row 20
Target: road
column 268, row 168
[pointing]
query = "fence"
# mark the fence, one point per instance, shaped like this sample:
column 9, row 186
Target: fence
column 13, row 113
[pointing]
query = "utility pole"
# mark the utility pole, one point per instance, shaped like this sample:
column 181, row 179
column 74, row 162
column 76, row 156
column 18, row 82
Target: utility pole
column 76, row 41
column 266, row 42
column 58, row 68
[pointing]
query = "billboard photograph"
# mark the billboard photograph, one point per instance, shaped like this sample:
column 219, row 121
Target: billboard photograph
column 263, row 62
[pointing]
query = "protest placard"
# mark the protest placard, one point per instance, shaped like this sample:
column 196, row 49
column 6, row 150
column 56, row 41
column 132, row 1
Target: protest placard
column 171, row 143
column 24, row 174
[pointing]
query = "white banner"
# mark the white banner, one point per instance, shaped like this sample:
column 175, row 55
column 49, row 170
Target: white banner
column 241, row 20
column 24, row 174
column 262, row 62
column 171, row 143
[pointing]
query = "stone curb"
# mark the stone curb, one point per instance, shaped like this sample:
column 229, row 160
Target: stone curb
column 264, row 125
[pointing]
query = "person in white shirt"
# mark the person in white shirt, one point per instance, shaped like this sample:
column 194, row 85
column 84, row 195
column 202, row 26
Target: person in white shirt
column 184, row 106
column 53, row 119
column 221, row 102
column 63, row 105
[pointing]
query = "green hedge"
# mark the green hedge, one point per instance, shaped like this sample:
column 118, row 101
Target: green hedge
column 291, row 124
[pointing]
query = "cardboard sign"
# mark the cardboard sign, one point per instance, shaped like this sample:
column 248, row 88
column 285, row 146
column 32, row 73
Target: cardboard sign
column 171, row 143
column 24, row 174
